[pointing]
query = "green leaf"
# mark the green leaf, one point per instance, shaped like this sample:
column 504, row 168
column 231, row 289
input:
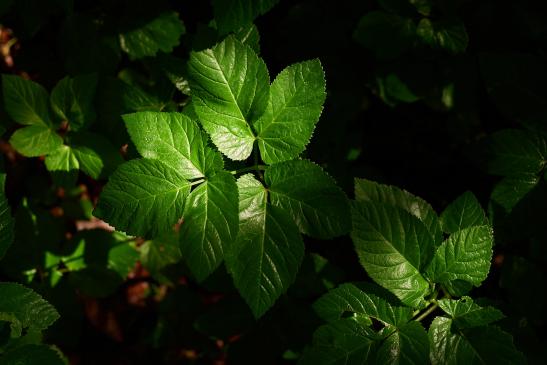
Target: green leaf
column 72, row 100
column 6, row 221
column 35, row 140
column 268, row 251
column 516, row 153
column 467, row 314
column 25, row 101
column 465, row 255
column 408, row 344
column 464, row 212
column 174, row 139
column 143, row 198
column 210, row 224
column 510, row 190
column 159, row 34
column 249, row 35
column 449, row 35
column 343, row 342
column 387, row 35
column 24, row 309
column 63, row 166
column 354, row 298
column 393, row 246
column 32, row 355
column 480, row 345
column 230, row 15
column 367, row 190
column 97, row 157
column 230, row 90
column 296, row 102
column 319, row 207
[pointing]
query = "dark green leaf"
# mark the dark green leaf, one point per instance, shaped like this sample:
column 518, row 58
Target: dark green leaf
column 210, row 224
column 467, row 314
column 464, row 212
column 6, row 221
column 449, row 35
column 32, row 355
column 303, row 189
column 72, row 100
column 510, row 190
column 231, row 15
column 408, row 344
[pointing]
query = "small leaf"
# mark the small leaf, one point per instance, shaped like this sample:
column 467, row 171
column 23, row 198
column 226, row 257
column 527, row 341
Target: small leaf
column 354, row 298
column 408, row 344
column 210, row 224
column 480, row 345
column 159, row 253
column 449, row 35
column 175, row 140
column 230, row 91
column 268, row 251
column 35, row 140
column 143, row 198
column 33, row 354
column 160, row 34
column 296, row 102
column 72, row 100
column 97, row 157
column 464, row 212
column 510, row 190
column 366, row 190
column 26, row 101
column 465, row 255
column 467, row 314
column 63, row 166
column 393, row 247
column 516, row 153
column 25, row 309
column 319, row 207
column 230, row 15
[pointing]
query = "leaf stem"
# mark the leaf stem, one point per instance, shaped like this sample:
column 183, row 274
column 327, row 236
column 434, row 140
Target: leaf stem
column 192, row 183
column 250, row 168
column 427, row 312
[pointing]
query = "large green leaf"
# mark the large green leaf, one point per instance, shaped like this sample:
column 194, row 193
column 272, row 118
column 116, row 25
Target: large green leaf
column 319, row 207
column 230, row 89
column 6, row 221
column 143, row 198
column 175, row 140
column 296, row 102
column 464, row 212
column 343, row 342
column 97, row 157
column 162, row 33
column 35, row 140
column 480, row 345
column 367, row 190
column 393, row 246
column 231, row 15
column 355, row 298
column 465, row 255
column 32, row 355
column 210, row 223
column 408, row 344
column 516, row 153
column 72, row 100
column 26, row 101
column 268, row 251
column 24, row 309
column 467, row 314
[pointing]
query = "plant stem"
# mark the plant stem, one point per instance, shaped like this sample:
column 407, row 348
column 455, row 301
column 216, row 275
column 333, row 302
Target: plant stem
column 197, row 182
column 427, row 312
column 250, row 168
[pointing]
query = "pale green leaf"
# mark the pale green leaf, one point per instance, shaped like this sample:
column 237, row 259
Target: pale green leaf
column 296, row 102
column 393, row 246
column 210, row 224
column 143, row 198
column 367, row 190
column 25, row 309
column 174, row 139
column 72, row 100
column 268, row 251
column 159, row 34
column 230, row 15
column 464, row 212
column 317, row 205
column 63, row 166
column 354, row 298
column 467, row 314
column 35, row 140
column 465, row 255
column 26, row 101
column 97, row 157
column 481, row 345
column 230, row 90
